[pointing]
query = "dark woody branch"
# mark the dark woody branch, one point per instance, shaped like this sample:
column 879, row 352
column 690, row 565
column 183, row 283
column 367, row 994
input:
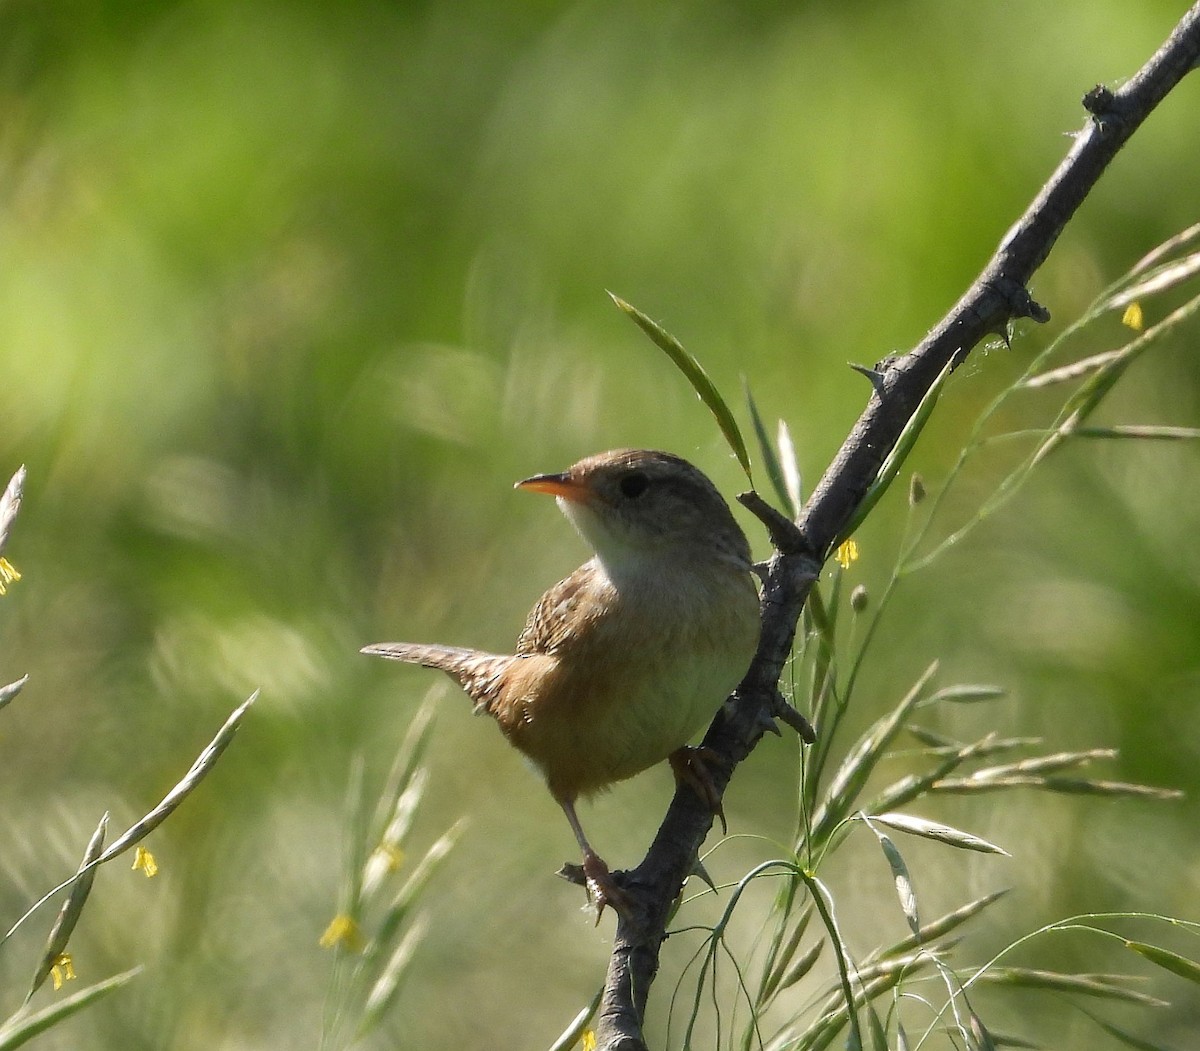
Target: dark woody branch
column 998, row 296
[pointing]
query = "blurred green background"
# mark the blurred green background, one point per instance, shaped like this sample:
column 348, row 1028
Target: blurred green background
column 291, row 293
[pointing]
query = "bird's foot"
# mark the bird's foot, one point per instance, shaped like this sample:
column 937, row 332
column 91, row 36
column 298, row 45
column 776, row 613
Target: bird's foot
column 693, row 767
column 601, row 886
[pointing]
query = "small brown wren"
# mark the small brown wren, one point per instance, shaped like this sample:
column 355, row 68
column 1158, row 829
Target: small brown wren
column 628, row 658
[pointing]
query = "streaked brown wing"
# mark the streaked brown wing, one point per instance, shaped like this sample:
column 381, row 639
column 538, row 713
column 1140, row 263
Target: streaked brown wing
column 549, row 622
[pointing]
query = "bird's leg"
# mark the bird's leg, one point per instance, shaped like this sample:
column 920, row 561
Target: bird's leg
column 692, row 767
column 601, row 887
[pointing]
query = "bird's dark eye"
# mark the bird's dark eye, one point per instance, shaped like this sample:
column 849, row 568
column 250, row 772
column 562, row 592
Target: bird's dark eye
column 633, row 484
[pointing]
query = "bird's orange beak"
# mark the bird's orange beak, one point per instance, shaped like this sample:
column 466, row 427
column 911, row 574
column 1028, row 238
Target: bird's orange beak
column 556, row 485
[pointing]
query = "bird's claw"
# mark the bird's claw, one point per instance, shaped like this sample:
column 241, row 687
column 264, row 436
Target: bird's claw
column 693, row 767
column 601, row 886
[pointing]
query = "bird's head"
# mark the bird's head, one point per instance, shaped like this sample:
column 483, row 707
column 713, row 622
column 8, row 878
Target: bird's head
column 635, row 505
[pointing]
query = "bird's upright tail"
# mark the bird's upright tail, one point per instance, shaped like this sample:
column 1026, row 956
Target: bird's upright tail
column 481, row 675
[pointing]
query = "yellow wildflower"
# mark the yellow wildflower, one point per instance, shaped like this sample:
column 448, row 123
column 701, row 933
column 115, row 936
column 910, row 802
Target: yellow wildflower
column 8, row 575
column 342, row 931
column 63, row 970
column 847, row 553
column 1133, row 318
column 144, row 861
column 589, row 1040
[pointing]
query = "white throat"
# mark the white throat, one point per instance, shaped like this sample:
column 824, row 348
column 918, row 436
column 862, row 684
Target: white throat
column 616, row 554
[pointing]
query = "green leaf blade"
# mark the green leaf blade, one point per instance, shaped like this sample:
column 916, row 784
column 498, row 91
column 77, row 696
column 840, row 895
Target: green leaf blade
column 694, row 372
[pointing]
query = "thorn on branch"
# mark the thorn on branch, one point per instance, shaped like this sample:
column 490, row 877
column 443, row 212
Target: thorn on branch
column 874, row 375
column 1022, row 304
column 784, row 533
column 701, row 873
column 782, row 710
column 1099, row 101
column 1018, row 300
column 1104, row 107
column 572, row 873
column 767, row 723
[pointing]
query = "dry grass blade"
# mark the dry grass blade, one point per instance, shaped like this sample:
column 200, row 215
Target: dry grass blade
column 1170, row 961
column 1093, row 787
column 1141, row 432
column 574, row 1032
column 778, row 946
column 696, row 376
column 909, row 787
column 1064, row 785
column 935, row 742
column 941, row 746
column 900, row 877
column 415, row 884
column 72, row 907
column 1162, row 278
column 1044, row 764
column 781, row 956
column 1181, row 239
column 790, row 465
column 433, row 857
column 10, row 504
column 859, row 764
column 943, row 925
column 411, row 752
column 1084, row 400
column 21, row 1028
column 386, row 856
column 804, row 963
column 198, row 771
column 1076, row 409
column 140, row 829
column 919, row 826
column 1105, row 986
column 1048, row 764
column 7, row 693
column 387, row 986
column 894, row 965
column 966, row 693
column 1071, row 371
column 979, row 1033
column 835, row 1013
